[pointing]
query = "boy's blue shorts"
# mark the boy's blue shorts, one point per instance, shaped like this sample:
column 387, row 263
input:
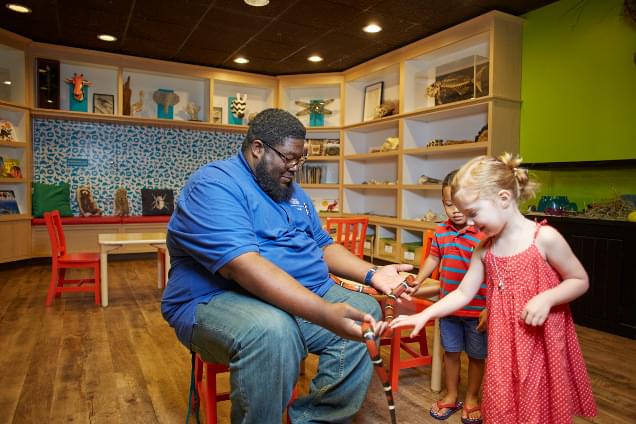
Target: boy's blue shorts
column 460, row 334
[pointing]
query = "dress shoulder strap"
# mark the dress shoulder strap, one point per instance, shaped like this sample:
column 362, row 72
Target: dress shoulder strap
column 538, row 227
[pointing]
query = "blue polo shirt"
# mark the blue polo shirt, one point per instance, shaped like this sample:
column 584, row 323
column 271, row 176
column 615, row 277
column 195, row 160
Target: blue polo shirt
column 222, row 213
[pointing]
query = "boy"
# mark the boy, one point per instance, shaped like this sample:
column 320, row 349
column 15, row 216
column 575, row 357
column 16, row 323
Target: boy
column 453, row 245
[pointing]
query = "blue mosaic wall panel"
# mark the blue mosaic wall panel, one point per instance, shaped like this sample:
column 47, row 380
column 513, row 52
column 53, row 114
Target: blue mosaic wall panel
column 122, row 155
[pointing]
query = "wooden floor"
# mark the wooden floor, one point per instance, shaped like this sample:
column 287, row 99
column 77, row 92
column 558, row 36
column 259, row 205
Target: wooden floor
column 81, row 363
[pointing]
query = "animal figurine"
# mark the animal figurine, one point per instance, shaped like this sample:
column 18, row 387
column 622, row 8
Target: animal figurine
column 122, row 207
column 482, row 135
column 192, row 109
column 390, row 144
column 331, row 147
column 165, row 99
column 7, row 131
column 455, row 86
column 387, row 108
column 138, row 105
column 238, row 105
column 78, row 82
column 87, row 205
column 425, row 179
column 333, row 206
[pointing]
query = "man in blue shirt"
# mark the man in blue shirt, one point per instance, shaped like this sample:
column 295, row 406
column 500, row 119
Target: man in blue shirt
column 249, row 284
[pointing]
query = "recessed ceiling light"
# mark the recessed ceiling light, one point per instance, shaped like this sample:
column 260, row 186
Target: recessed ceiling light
column 7, row 82
column 314, row 58
column 372, row 28
column 241, row 60
column 107, row 37
column 257, row 3
column 18, row 8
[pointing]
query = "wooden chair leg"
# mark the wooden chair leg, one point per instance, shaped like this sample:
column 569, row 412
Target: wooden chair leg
column 98, row 293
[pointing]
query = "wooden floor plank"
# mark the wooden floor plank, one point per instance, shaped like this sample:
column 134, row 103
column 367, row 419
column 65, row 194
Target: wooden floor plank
column 77, row 362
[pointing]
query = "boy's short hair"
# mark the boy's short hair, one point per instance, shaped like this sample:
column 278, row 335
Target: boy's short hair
column 449, row 178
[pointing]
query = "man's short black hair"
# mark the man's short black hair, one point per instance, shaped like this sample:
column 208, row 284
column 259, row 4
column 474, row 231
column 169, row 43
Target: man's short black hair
column 449, row 178
column 273, row 126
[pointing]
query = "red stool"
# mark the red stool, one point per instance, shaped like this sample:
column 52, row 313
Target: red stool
column 207, row 391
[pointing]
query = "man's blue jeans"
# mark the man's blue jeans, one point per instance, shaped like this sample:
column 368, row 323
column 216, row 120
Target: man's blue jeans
column 264, row 347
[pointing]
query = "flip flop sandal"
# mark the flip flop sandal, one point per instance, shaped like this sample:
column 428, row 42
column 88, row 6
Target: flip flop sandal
column 451, row 408
column 472, row 420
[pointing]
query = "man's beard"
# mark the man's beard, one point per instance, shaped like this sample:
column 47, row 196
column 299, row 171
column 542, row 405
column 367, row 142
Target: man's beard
column 272, row 187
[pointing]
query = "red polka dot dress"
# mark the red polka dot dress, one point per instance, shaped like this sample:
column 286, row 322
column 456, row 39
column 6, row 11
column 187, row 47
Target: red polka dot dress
column 534, row 375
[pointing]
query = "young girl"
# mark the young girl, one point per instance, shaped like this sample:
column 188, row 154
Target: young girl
column 535, row 371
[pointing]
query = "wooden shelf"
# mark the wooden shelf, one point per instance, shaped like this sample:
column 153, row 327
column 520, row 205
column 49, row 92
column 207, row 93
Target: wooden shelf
column 322, row 129
column 331, row 186
column 7, row 180
column 375, row 125
column 13, row 144
column 16, row 217
column 371, row 186
column 13, row 106
column 423, row 187
column 481, row 146
column 323, row 158
column 372, row 156
column 131, row 120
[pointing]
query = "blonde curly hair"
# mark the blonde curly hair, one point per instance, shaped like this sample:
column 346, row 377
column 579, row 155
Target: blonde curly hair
column 485, row 176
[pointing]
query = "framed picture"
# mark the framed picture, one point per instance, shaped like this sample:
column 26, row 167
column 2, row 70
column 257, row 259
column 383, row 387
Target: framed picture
column 217, row 115
column 8, row 204
column 372, row 99
column 104, row 104
column 48, row 83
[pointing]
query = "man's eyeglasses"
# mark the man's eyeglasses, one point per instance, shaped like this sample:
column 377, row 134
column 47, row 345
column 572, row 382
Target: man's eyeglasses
column 289, row 163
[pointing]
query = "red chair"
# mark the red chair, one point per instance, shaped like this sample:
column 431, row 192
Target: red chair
column 350, row 232
column 207, row 390
column 61, row 261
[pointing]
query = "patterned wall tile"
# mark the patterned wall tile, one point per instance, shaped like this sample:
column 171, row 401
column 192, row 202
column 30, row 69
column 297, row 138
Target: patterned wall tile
column 122, row 155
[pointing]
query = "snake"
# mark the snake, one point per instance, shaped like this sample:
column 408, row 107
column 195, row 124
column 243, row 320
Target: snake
column 368, row 334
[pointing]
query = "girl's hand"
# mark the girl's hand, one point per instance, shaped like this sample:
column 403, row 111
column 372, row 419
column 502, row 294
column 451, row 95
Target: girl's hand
column 483, row 321
column 416, row 320
column 536, row 310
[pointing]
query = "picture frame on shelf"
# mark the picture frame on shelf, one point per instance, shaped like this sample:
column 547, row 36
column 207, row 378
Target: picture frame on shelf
column 217, row 115
column 8, row 204
column 372, row 99
column 104, row 104
column 48, row 83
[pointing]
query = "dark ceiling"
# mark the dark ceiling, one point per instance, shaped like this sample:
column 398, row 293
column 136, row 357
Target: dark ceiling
column 276, row 38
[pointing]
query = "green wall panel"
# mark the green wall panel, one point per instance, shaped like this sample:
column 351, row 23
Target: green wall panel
column 578, row 83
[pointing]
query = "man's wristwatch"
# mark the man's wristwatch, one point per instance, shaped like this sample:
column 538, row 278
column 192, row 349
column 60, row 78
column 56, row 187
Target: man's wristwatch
column 370, row 273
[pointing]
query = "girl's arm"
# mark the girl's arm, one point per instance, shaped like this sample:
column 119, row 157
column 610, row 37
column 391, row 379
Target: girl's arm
column 450, row 303
column 574, row 282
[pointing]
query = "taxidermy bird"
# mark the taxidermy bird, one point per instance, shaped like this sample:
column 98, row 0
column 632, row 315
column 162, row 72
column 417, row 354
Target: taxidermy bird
column 138, row 105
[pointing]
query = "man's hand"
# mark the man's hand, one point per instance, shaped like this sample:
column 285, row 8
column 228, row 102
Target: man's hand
column 388, row 277
column 483, row 321
column 343, row 319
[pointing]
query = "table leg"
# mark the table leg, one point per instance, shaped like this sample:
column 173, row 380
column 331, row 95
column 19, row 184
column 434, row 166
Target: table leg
column 103, row 270
column 160, row 267
column 103, row 274
column 436, row 365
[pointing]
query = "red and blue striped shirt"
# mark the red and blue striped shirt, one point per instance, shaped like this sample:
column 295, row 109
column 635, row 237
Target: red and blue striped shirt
column 455, row 248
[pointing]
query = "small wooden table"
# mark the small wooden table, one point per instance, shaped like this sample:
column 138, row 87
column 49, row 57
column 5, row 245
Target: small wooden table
column 111, row 241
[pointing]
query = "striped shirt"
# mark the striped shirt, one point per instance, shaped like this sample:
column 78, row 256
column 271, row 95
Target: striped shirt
column 455, row 248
